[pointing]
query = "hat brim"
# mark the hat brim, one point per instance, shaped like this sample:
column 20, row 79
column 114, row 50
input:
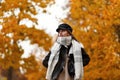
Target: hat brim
column 58, row 29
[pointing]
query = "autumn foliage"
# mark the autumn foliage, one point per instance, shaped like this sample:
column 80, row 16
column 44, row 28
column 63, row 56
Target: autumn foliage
column 95, row 23
column 12, row 33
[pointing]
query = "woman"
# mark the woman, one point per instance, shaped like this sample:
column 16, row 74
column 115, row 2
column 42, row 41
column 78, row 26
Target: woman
column 64, row 61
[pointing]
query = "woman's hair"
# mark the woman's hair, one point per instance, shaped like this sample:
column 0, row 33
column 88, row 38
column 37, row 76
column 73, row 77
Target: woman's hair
column 73, row 37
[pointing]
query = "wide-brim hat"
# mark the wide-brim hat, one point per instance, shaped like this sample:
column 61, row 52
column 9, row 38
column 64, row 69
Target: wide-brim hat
column 64, row 26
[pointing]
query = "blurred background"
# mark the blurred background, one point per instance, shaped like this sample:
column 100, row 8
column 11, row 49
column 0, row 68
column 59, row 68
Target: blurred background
column 28, row 30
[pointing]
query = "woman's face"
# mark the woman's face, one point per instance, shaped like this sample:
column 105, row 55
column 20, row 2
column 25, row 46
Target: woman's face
column 63, row 33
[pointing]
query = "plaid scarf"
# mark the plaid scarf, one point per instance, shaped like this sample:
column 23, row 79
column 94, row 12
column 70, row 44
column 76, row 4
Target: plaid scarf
column 75, row 49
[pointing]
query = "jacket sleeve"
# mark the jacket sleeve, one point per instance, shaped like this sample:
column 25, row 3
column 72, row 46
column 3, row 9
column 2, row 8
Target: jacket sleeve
column 46, row 59
column 85, row 57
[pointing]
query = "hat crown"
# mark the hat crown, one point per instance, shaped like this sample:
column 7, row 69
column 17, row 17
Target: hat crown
column 64, row 26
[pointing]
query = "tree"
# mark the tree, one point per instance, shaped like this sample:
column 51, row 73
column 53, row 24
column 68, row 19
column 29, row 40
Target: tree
column 93, row 22
column 12, row 12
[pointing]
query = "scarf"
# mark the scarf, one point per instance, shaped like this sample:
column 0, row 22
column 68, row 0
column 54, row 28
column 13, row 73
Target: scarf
column 75, row 49
column 64, row 40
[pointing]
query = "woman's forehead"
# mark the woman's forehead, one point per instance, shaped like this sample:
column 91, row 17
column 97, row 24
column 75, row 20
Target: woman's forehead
column 62, row 30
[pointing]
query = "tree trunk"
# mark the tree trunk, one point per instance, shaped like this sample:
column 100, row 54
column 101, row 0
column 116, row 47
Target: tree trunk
column 9, row 75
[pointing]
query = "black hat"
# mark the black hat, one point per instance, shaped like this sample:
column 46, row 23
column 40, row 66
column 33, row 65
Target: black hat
column 65, row 27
